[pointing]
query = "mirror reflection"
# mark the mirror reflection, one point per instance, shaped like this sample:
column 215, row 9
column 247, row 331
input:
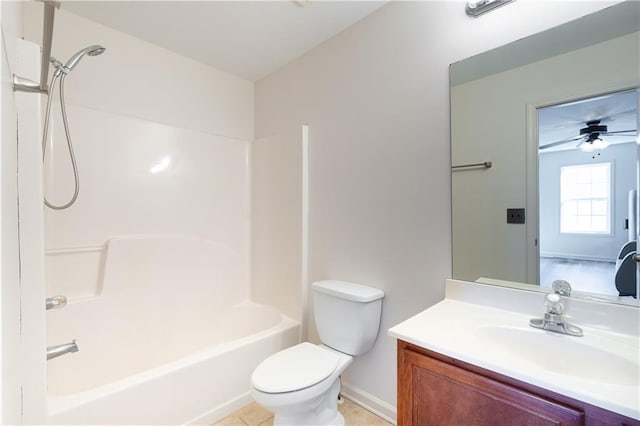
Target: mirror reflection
column 545, row 158
column 587, row 162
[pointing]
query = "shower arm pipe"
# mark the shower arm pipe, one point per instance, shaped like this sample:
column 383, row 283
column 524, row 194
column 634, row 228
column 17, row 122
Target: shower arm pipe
column 21, row 84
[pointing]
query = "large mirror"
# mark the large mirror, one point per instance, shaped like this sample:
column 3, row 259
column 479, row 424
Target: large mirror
column 545, row 159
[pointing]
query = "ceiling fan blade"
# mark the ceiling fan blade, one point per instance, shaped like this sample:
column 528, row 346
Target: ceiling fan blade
column 561, row 142
column 603, row 119
column 612, row 117
column 631, row 132
column 565, row 124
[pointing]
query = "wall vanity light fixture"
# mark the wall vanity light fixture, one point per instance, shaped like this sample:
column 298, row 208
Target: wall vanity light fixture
column 476, row 8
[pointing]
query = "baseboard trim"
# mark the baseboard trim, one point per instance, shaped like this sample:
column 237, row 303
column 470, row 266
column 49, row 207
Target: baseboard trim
column 222, row 411
column 372, row 403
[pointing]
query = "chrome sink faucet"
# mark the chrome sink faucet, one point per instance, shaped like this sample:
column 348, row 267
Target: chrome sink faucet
column 553, row 319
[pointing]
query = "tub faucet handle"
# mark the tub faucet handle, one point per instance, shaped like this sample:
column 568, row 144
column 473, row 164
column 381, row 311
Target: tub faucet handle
column 56, row 302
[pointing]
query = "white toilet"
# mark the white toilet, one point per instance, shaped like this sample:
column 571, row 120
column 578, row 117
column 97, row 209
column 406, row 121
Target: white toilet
column 301, row 384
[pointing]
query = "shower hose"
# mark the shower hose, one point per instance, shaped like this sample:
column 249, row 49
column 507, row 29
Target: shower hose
column 72, row 156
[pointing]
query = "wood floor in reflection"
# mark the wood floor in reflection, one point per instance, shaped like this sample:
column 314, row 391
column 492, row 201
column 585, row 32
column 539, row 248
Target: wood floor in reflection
column 583, row 275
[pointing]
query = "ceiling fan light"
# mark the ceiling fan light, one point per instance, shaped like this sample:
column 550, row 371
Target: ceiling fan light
column 587, row 147
column 599, row 144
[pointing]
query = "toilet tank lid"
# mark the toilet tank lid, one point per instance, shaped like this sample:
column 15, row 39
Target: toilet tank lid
column 348, row 291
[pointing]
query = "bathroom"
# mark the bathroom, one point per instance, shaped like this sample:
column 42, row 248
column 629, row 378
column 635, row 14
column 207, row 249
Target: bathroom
column 333, row 163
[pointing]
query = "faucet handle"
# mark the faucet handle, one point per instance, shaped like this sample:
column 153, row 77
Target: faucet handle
column 561, row 287
column 56, row 302
column 554, row 304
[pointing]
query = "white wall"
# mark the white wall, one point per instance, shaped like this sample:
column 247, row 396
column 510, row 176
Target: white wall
column 132, row 110
column 376, row 100
column 276, row 221
column 10, row 343
column 591, row 247
column 31, row 235
column 139, row 79
column 484, row 244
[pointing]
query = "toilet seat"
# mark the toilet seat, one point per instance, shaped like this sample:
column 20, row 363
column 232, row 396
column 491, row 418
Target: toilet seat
column 294, row 368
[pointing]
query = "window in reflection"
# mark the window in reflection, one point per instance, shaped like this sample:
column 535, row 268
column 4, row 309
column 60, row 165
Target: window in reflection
column 585, row 199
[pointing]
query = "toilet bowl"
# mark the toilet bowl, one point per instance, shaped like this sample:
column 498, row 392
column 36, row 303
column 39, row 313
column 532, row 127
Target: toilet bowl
column 301, row 384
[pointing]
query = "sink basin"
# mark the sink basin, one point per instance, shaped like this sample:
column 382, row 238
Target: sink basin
column 572, row 356
column 488, row 326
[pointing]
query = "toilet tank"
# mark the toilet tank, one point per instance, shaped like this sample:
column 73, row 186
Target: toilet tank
column 347, row 315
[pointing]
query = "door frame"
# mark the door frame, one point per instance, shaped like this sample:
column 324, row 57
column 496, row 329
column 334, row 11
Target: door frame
column 532, row 173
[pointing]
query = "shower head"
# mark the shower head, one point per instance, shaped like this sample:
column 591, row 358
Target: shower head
column 94, row 50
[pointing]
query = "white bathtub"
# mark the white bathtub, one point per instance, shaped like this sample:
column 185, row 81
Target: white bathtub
column 196, row 389
column 160, row 346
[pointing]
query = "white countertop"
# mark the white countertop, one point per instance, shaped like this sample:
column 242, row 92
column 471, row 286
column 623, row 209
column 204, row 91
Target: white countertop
column 600, row 368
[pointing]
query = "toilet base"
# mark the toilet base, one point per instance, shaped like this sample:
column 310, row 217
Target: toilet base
column 322, row 411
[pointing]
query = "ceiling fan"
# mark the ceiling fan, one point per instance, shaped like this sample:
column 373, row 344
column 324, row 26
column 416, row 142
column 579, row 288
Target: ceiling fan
column 589, row 137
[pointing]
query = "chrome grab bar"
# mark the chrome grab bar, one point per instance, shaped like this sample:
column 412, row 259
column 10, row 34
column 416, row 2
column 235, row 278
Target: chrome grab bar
column 56, row 302
column 486, row 165
column 59, row 350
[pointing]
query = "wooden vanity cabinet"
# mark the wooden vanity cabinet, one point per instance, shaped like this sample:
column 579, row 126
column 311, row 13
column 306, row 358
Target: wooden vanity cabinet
column 434, row 389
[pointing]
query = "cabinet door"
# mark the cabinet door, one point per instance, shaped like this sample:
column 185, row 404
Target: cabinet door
column 432, row 392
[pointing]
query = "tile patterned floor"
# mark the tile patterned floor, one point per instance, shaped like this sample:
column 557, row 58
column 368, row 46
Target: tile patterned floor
column 254, row 415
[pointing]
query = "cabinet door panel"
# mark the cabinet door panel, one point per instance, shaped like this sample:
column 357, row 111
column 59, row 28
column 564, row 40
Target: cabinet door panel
column 443, row 394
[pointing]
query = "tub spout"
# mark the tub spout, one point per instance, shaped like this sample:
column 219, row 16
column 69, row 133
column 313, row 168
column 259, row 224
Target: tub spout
column 59, row 350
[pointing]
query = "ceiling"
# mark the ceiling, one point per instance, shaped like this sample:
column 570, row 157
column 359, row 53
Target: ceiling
column 618, row 111
column 250, row 39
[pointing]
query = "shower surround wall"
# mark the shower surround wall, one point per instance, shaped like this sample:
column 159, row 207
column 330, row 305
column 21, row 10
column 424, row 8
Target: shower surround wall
column 162, row 144
column 11, row 359
column 160, row 231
